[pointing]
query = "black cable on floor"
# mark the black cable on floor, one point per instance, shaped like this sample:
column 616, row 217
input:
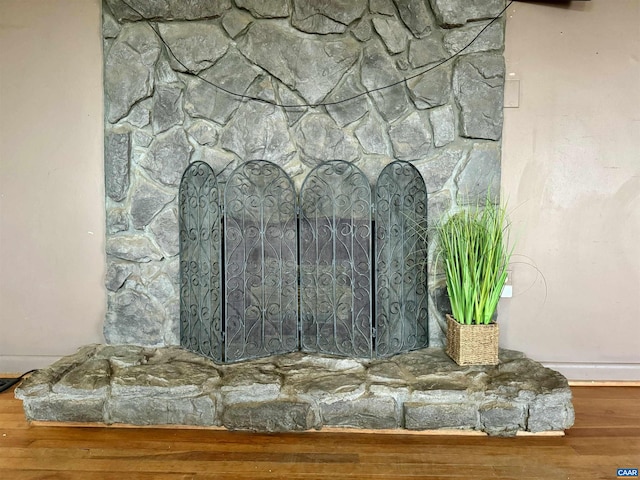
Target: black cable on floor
column 7, row 383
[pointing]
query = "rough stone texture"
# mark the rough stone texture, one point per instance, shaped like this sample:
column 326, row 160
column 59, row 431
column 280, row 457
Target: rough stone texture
column 258, row 131
column 320, row 139
column 378, row 70
column 117, row 274
column 159, row 117
column 167, row 9
column 235, row 22
column 411, row 137
column 168, row 157
column 203, row 132
column 491, row 39
column 415, row 16
column 204, row 100
column 132, row 247
column 129, row 69
column 195, row 45
column 147, row 200
column 310, row 66
column 443, row 124
column 431, row 89
column 480, row 175
column 167, row 108
column 437, row 170
column 265, row 8
column 165, row 232
column 478, row 83
column 326, row 17
column 348, row 111
column 425, row 51
column 117, row 147
column 372, row 136
column 117, row 221
column 133, row 318
column 451, row 13
column 383, row 7
column 422, row 390
column 393, row 34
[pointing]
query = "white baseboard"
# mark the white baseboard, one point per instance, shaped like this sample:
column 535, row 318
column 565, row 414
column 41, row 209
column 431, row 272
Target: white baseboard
column 615, row 372
column 18, row 364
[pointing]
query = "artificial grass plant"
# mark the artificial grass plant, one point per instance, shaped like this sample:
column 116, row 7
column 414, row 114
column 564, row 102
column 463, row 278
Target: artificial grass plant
column 475, row 256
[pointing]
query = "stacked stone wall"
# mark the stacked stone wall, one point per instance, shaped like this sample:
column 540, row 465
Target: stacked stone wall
column 163, row 110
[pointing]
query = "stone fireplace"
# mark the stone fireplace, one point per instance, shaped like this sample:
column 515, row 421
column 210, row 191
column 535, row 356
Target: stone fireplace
column 167, row 105
column 296, row 83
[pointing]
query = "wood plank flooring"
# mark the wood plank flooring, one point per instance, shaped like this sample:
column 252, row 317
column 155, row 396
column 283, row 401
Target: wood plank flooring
column 606, row 437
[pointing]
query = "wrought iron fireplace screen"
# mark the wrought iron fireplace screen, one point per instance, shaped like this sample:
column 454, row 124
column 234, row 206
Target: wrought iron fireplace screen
column 337, row 269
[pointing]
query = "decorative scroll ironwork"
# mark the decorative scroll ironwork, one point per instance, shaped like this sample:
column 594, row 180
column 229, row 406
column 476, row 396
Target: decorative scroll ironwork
column 260, row 262
column 200, row 284
column 335, row 261
column 401, row 286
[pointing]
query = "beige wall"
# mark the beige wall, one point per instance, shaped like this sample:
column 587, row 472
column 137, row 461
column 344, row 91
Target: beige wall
column 51, row 187
column 570, row 170
column 571, row 173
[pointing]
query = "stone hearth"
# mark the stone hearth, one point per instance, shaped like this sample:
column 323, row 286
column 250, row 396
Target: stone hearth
column 421, row 390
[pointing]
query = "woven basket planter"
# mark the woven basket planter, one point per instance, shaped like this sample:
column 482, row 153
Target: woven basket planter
column 472, row 344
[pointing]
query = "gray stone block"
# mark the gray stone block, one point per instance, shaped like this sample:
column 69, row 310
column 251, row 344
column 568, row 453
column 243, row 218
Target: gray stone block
column 320, row 139
column 271, row 416
column 258, row 131
column 502, row 419
column 312, row 67
column 265, row 8
column 167, row 108
column 425, row 51
column 196, row 45
column 87, row 379
column 411, row 137
column 438, row 168
column 132, row 247
column 443, row 124
column 203, row 100
column 415, row 16
column 379, row 70
column 552, row 411
column 490, row 39
column 481, row 174
column 146, row 201
column 235, row 21
column 117, row 220
column 168, row 157
column 431, row 89
column 383, row 7
column 117, row 147
column 435, row 416
column 326, row 17
column 478, row 84
column 451, row 13
column 129, row 68
column 372, row 135
column 167, row 9
column 203, row 132
column 392, row 32
column 164, row 229
column 363, row 412
column 156, row 410
column 348, row 111
column 133, row 318
column 64, row 408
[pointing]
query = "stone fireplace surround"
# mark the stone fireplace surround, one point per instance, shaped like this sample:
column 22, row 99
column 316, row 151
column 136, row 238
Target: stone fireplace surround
column 160, row 117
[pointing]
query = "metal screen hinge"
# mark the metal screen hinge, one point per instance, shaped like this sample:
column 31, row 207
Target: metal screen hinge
column 373, row 332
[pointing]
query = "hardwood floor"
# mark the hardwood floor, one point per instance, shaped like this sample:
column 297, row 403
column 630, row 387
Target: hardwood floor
column 606, row 436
